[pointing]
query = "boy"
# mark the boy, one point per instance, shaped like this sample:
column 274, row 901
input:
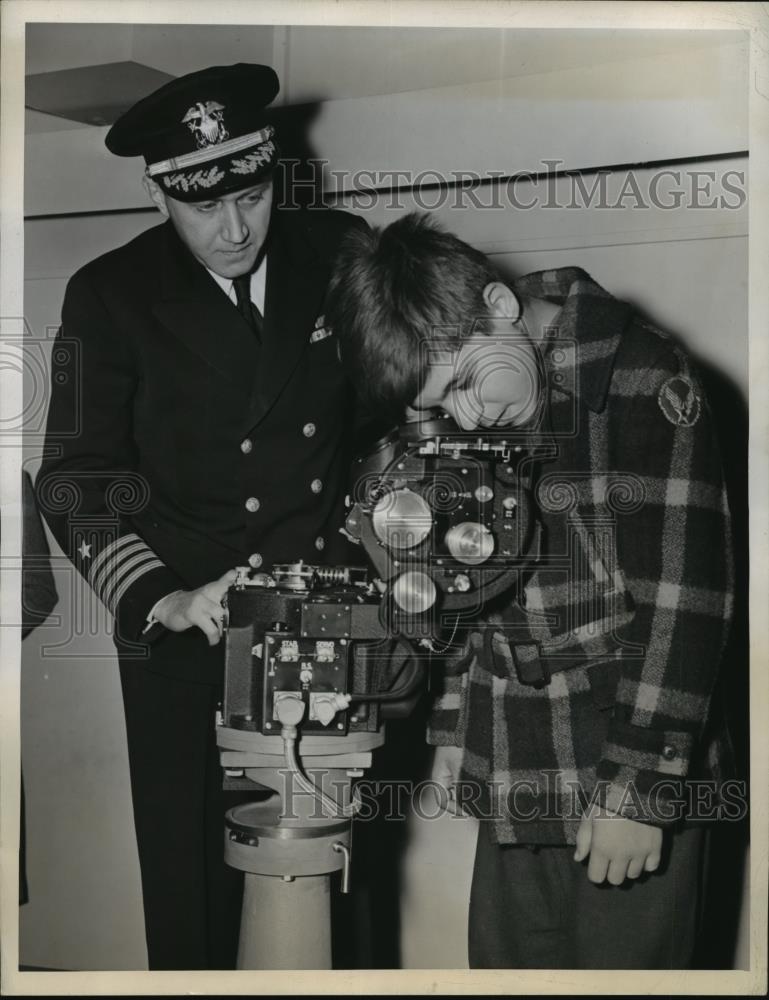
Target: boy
column 576, row 733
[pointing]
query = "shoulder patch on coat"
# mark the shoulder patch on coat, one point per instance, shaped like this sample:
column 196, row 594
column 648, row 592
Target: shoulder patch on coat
column 680, row 401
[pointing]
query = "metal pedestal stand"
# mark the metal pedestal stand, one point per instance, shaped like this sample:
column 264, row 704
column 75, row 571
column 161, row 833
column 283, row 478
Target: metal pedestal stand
column 289, row 846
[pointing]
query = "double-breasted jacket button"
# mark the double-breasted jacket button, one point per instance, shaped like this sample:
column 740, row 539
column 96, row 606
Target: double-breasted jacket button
column 246, row 445
column 308, row 430
column 320, row 543
column 316, row 485
column 252, row 505
column 669, row 752
column 255, row 560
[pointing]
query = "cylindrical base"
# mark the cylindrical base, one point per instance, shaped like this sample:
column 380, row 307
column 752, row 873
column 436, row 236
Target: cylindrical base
column 259, row 841
column 285, row 925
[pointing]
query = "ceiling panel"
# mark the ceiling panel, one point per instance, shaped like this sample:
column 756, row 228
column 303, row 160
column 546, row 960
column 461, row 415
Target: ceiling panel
column 64, row 46
column 94, row 95
column 36, row 121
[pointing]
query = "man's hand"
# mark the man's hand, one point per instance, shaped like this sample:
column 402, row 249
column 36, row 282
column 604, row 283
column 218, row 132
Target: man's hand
column 619, row 848
column 202, row 608
column 446, row 764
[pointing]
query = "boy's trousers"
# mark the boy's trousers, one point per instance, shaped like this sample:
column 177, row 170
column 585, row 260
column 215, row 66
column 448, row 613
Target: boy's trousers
column 536, row 909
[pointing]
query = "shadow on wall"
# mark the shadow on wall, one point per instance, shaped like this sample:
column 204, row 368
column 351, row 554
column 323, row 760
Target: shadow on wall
column 729, row 840
column 292, row 126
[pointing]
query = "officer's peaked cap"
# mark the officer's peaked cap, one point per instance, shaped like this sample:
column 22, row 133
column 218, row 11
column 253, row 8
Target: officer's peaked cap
column 203, row 134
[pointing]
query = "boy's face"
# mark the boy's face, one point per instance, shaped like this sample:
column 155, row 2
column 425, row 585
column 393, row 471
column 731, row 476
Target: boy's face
column 490, row 381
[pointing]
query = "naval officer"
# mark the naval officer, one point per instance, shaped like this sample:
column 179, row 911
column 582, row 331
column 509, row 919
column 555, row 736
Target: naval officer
column 211, row 417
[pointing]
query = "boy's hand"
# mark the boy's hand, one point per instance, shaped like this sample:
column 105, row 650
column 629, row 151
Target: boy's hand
column 619, row 848
column 446, row 764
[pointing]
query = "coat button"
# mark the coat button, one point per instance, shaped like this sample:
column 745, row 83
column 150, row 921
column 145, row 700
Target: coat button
column 255, row 560
column 252, row 505
column 246, row 445
column 669, row 752
column 320, row 543
column 316, row 485
column 308, row 430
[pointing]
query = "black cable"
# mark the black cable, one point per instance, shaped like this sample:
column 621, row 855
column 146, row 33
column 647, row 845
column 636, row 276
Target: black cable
column 411, row 685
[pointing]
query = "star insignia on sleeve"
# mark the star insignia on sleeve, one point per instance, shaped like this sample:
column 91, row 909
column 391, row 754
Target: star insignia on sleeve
column 84, row 550
column 680, row 401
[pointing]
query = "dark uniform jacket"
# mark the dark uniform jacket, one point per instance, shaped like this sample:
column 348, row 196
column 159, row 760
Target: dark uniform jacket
column 178, row 446
column 625, row 618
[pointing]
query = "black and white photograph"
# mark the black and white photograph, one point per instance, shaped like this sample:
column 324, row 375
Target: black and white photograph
column 384, row 478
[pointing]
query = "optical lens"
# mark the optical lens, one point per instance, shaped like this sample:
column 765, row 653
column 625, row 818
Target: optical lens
column 401, row 519
column 470, row 543
column 414, row 592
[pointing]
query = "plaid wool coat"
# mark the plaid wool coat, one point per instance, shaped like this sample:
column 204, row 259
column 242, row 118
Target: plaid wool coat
column 622, row 623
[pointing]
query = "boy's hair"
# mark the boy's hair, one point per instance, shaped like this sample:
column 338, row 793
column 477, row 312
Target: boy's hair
column 393, row 290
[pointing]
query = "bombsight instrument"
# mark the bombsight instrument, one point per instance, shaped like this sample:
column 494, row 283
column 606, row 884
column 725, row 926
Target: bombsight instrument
column 446, row 522
column 317, row 658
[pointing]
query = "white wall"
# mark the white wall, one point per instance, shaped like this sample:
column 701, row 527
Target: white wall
column 478, row 109
column 686, row 267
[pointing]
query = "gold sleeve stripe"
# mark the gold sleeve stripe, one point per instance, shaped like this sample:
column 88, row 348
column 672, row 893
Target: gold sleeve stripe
column 153, row 563
column 126, row 566
column 111, row 565
column 107, row 551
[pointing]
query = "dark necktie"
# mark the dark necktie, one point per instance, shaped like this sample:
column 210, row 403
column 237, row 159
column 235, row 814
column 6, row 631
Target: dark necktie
column 246, row 307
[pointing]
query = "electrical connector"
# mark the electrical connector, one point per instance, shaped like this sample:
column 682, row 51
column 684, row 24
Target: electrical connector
column 324, row 705
column 288, row 708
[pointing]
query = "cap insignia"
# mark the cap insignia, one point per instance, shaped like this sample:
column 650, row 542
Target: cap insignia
column 205, row 122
